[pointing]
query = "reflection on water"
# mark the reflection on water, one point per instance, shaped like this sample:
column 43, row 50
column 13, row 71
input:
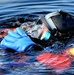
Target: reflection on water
column 14, row 63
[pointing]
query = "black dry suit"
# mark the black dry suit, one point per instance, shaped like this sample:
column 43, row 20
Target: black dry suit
column 59, row 20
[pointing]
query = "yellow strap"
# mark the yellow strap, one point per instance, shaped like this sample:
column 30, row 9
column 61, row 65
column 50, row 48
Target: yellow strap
column 71, row 51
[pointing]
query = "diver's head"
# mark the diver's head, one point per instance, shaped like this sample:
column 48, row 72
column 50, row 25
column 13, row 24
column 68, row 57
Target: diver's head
column 59, row 20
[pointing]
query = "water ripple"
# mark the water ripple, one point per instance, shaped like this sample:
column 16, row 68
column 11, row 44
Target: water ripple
column 10, row 8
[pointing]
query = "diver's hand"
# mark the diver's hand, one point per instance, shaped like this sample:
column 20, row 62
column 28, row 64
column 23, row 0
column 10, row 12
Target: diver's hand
column 17, row 40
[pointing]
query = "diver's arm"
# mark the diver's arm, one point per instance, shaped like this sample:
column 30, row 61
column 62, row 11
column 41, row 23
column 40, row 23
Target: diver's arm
column 18, row 41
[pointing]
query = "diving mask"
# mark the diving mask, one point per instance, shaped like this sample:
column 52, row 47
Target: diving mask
column 38, row 31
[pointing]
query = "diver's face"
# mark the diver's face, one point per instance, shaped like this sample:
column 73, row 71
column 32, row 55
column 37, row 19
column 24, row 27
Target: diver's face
column 44, row 28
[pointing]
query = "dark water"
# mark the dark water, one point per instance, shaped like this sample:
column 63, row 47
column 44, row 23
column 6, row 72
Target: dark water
column 14, row 63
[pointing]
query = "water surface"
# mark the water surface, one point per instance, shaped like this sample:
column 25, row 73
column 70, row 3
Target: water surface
column 14, row 63
column 8, row 8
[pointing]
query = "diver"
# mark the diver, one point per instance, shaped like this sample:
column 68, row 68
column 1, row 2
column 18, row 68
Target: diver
column 19, row 40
